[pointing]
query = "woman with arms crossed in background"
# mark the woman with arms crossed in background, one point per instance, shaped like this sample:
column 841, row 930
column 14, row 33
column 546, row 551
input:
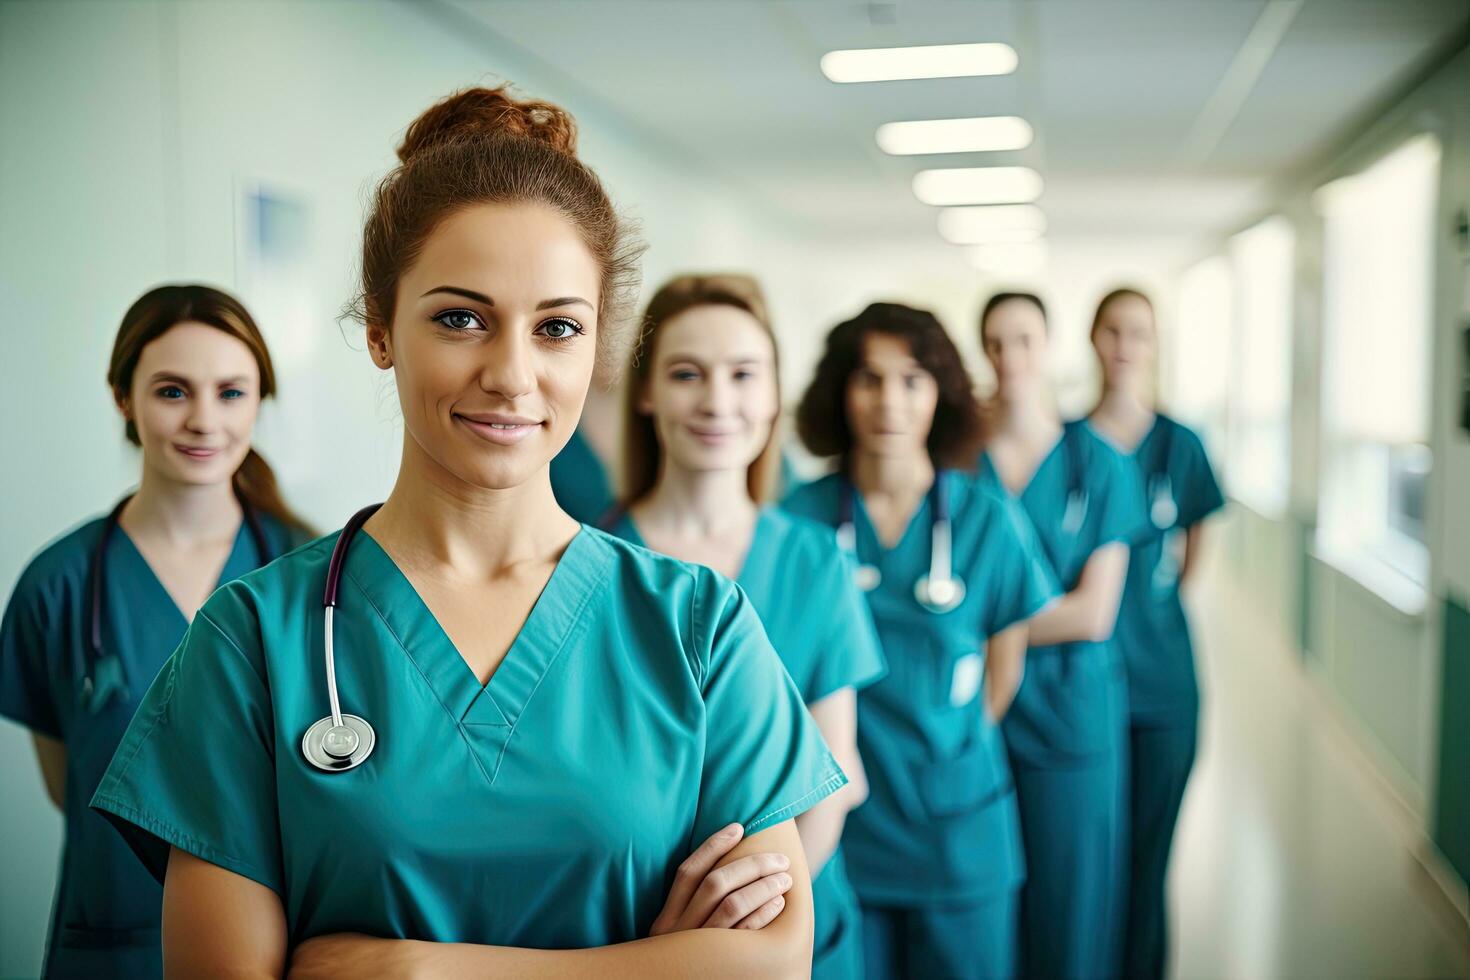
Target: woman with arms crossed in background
column 1066, row 731
column 701, row 453
column 95, row 615
column 951, row 574
column 1179, row 491
column 531, row 721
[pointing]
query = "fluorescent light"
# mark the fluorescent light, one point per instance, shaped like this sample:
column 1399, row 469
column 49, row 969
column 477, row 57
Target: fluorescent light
column 978, row 135
column 1017, row 259
column 998, row 223
column 977, row 185
column 928, row 61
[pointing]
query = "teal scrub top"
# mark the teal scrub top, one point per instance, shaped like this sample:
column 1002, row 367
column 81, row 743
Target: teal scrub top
column 580, row 482
column 106, row 913
column 1153, row 632
column 1072, row 693
column 800, row 584
column 939, row 824
column 640, row 709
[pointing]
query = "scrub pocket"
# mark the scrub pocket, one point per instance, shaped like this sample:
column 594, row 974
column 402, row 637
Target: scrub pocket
column 967, row 782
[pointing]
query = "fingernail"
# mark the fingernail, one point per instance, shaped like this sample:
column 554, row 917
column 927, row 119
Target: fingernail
column 782, row 861
column 731, row 831
column 784, row 881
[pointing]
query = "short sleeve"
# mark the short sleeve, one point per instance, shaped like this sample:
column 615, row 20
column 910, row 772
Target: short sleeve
column 28, row 680
column 1121, row 515
column 196, row 768
column 850, row 654
column 765, row 761
column 1022, row 578
column 1200, row 494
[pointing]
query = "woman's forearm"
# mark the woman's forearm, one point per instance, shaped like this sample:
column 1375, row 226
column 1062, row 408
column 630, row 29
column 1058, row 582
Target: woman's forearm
column 821, row 828
column 1090, row 610
column 1005, row 666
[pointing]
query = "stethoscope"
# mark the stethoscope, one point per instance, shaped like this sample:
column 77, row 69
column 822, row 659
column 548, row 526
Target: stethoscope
column 338, row 742
column 940, row 590
column 102, row 675
column 1163, row 511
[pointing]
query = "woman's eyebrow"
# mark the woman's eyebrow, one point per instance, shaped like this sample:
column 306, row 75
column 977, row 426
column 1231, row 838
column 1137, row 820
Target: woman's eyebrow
column 545, row 304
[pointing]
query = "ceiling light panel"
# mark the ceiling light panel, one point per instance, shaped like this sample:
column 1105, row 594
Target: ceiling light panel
column 977, row 135
column 927, row 61
column 977, row 185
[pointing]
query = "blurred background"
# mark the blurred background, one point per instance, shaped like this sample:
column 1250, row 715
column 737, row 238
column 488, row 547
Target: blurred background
column 1290, row 180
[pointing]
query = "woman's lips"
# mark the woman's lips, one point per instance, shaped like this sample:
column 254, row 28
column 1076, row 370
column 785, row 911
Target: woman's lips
column 502, row 430
column 198, row 452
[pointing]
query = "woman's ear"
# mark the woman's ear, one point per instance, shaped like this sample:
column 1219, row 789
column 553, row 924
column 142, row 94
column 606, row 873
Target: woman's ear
column 380, row 347
column 124, row 404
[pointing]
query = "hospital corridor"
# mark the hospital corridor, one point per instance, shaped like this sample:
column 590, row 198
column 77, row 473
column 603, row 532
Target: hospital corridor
column 849, row 489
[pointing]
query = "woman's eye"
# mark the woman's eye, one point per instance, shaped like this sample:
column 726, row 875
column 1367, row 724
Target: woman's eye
column 458, row 319
column 230, row 394
column 171, row 392
column 559, row 329
column 744, row 375
column 683, row 374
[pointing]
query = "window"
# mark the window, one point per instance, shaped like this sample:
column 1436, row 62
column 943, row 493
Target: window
column 1260, row 407
column 1199, row 349
column 1378, row 256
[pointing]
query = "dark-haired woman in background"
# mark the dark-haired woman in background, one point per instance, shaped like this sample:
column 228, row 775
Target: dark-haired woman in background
column 97, row 612
column 1179, row 491
column 952, row 575
column 1067, row 729
column 701, row 454
column 538, row 720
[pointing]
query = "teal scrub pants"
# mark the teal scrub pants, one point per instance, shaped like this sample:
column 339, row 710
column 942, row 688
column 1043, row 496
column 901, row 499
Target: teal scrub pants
column 971, row 941
column 1162, row 759
column 1072, row 824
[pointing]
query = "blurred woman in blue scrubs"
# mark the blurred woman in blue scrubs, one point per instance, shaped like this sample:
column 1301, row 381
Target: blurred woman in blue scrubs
column 581, row 474
column 559, row 716
column 1179, row 491
column 1067, row 732
column 701, row 456
column 952, row 574
column 97, row 612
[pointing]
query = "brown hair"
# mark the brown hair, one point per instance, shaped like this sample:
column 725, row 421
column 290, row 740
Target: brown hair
column 1000, row 298
column 821, row 419
column 1121, row 292
column 157, row 312
column 482, row 146
column 642, row 454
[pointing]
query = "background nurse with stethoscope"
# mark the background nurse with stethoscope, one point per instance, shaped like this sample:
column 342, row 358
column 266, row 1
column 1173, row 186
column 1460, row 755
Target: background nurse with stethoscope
column 1067, row 730
column 701, row 456
column 1179, row 492
column 98, row 611
column 952, row 574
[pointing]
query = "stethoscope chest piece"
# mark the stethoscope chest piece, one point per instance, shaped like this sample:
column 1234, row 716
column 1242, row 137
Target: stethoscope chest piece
column 867, row 577
column 939, row 595
column 335, row 748
column 1163, row 511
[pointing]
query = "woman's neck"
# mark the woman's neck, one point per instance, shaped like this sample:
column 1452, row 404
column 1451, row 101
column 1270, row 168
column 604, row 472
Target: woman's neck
column 1027, row 416
column 435, row 518
column 181, row 514
column 697, row 503
column 897, row 477
column 1122, row 404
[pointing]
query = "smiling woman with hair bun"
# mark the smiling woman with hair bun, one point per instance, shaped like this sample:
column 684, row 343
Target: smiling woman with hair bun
column 559, row 716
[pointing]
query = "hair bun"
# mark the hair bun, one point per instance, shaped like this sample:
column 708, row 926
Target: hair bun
column 488, row 112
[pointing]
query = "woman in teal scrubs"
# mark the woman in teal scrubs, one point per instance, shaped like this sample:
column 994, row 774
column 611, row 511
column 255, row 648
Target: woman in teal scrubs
column 556, row 717
column 1067, row 730
column 1179, row 491
column 96, row 613
column 701, row 455
column 935, row 852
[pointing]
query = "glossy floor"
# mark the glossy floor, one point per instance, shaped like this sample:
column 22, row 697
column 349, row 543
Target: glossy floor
column 1291, row 860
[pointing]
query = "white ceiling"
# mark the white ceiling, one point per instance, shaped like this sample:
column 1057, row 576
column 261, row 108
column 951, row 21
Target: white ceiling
column 1113, row 88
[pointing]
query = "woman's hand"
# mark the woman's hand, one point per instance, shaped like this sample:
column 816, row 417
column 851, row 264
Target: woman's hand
column 747, row 893
column 346, row 955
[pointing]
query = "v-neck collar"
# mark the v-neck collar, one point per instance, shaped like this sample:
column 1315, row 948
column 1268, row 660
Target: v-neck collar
column 988, row 466
column 577, row 577
column 862, row 521
column 237, row 563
